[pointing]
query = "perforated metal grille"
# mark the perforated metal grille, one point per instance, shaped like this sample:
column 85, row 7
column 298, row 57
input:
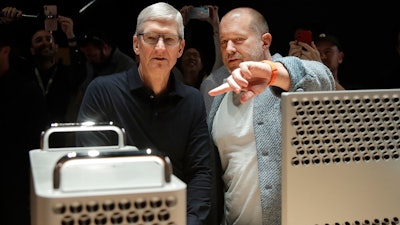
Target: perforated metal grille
column 349, row 129
column 384, row 221
column 153, row 210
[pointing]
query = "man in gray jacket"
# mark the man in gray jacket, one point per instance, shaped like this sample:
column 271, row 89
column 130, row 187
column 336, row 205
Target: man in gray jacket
column 245, row 118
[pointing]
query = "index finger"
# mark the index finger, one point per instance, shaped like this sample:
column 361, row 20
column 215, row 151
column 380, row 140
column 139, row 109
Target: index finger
column 223, row 88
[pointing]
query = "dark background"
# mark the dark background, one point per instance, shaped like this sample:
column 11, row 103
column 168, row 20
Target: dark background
column 365, row 30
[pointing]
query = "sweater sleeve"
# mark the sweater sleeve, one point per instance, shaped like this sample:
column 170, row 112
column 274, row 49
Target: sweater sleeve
column 307, row 75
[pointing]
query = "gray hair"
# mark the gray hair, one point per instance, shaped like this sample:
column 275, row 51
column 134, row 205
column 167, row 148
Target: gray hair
column 160, row 11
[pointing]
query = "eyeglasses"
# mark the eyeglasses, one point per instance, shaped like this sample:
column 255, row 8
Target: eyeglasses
column 152, row 38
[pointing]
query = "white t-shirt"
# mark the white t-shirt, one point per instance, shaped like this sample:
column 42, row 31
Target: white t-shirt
column 234, row 137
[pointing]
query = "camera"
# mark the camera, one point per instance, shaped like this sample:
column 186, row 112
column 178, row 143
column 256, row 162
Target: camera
column 199, row 13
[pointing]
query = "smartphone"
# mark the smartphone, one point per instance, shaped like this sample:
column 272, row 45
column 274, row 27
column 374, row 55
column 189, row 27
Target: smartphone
column 304, row 36
column 50, row 20
column 199, row 13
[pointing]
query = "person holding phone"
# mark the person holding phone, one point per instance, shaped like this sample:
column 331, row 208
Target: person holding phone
column 303, row 46
column 209, row 15
column 330, row 54
column 325, row 48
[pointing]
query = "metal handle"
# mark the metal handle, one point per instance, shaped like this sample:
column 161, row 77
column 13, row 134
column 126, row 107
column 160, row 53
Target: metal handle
column 77, row 127
column 94, row 154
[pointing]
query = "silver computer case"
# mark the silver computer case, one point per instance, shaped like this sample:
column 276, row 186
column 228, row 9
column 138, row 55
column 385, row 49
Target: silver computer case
column 341, row 157
column 105, row 185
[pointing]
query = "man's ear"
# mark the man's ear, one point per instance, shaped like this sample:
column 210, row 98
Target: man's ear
column 340, row 57
column 106, row 49
column 266, row 39
column 135, row 45
column 181, row 48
